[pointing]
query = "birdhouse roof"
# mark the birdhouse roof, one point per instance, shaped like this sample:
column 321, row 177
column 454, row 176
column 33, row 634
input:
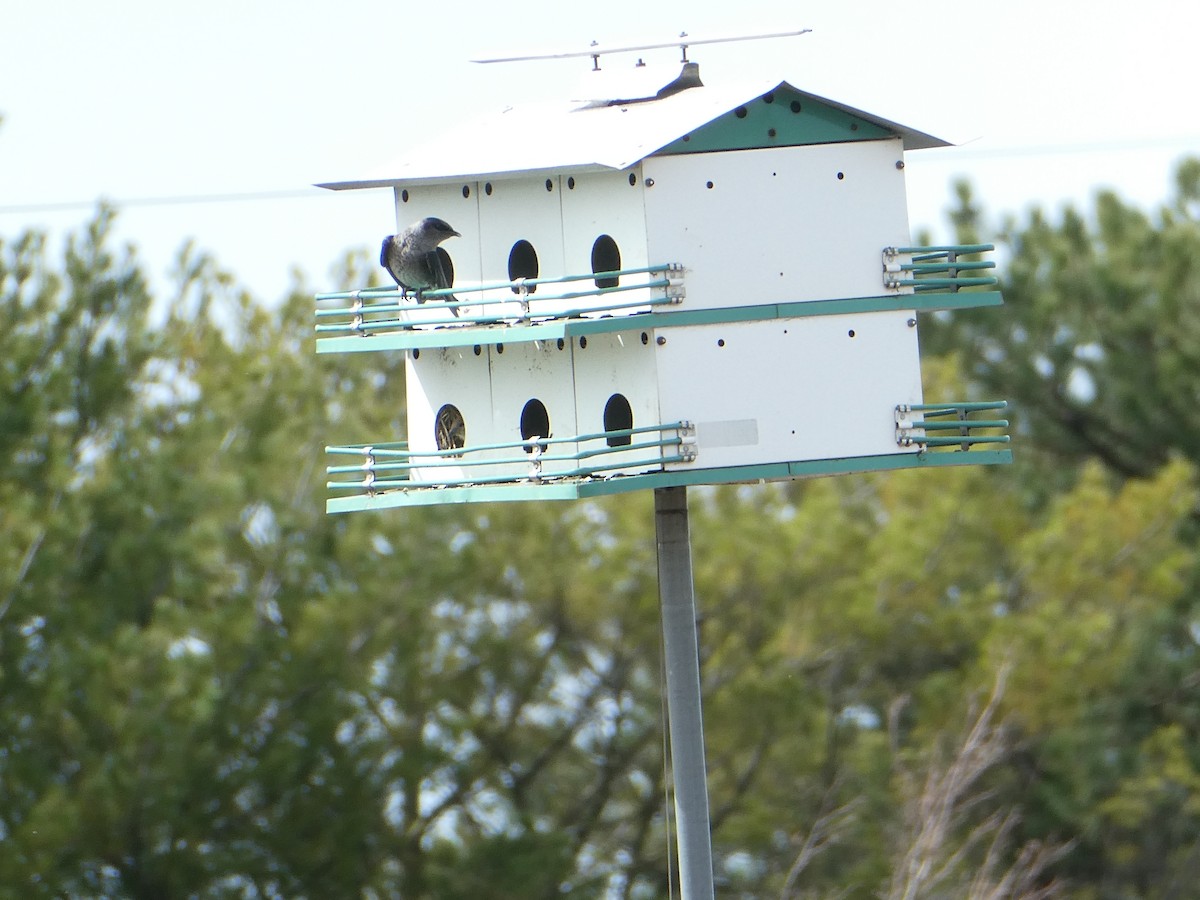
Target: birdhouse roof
column 614, row 133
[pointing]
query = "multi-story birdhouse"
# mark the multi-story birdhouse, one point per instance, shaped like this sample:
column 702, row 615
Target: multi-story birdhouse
column 677, row 284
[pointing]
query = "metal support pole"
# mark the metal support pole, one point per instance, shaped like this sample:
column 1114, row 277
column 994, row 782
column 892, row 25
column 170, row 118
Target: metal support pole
column 685, row 719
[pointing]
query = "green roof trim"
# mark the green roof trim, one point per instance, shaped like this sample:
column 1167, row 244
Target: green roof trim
column 780, row 118
column 600, row 487
column 552, row 329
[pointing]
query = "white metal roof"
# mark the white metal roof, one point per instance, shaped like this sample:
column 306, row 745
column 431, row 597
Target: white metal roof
column 584, row 135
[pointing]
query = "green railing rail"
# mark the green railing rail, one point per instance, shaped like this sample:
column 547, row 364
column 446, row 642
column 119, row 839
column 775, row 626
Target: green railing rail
column 395, row 462
column 937, row 268
column 953, row 425
column 388, row 308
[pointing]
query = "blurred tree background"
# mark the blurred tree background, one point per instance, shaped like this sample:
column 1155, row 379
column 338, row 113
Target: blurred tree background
column 959, row 683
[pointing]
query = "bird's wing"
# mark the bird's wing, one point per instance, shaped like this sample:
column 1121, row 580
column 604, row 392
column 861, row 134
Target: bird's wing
column 441, row 269
column 388, row 259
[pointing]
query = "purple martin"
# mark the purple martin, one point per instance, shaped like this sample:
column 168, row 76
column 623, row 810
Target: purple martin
column 414, row 259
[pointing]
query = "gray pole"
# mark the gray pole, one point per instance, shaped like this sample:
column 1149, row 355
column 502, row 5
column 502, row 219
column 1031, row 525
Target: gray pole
column 685, row 719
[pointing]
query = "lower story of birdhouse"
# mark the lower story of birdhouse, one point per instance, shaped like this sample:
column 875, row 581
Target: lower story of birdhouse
column 608, row 412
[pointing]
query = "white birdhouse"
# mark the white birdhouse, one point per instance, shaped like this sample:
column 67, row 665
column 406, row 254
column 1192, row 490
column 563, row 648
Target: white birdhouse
column 680, row 284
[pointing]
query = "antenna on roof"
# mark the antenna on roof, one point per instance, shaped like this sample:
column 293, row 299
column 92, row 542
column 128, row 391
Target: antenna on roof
column 596, row 50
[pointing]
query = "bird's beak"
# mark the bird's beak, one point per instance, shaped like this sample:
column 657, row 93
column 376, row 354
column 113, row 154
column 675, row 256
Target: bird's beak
column 454, row 233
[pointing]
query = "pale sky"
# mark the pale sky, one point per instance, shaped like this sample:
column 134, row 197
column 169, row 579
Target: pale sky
column 153, row 102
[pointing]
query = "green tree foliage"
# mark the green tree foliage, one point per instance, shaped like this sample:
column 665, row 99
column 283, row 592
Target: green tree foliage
column 916, row 683
column 1099, row 345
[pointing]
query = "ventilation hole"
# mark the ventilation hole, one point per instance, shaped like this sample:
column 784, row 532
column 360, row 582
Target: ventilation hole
column 583, row 343
column 478, row 350
column 416, row 354
column 466, row 191
column 535, row 423
column 487, row 188
column 450, row 430
column 606, row 257
column 499, row 348
column 841, row 176
column 618, row 416
column 850, row 333
column 645, row 338
column 740, row 112
column 720, row 342
column 768, row 97
column 854, row 126
column 708, row 184
column 523, row 263
column 549, row 184
column 404, row 196
column 686, row 138
column 771, row 132
column 632, row 179
column 571, row 183
column 795, row 106
column 561, row 343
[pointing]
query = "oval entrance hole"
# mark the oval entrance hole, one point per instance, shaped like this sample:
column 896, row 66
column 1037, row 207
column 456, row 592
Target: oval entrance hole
column 618, row 416
column 535, row 423
column 606, row 257
column 522, row 263
column 450, row 431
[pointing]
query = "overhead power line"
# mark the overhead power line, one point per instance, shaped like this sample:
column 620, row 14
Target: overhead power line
column 177, row 200
column 949, row 154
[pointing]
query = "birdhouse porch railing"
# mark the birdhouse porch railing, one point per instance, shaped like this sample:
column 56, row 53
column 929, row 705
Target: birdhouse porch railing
column 392, row 474
column 927, row 269
column 375, row 310
column 393, row 466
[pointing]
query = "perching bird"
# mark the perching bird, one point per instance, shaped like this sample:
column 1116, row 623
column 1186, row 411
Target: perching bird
column 414, row 259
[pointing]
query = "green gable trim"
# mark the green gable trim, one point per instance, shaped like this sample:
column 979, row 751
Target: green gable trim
column 779, row 118
column 572, row 328
column 600, row 487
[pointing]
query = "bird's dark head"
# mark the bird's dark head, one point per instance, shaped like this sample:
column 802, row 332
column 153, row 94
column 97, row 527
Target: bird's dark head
column 439, row 229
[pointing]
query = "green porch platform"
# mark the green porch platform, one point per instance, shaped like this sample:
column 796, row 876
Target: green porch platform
column 567, row 328
column 582, row 488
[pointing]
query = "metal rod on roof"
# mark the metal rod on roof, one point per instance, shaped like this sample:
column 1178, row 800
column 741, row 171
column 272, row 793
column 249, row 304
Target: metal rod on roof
column 595, row 51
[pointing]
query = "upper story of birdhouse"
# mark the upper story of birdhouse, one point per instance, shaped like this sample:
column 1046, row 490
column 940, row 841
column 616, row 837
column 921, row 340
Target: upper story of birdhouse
column 763, row 194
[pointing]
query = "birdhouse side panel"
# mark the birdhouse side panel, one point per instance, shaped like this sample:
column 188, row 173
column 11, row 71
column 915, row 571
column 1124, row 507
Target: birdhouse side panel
column 521, row 236
column 458, row 205
column 533, row 396
column 790, row 390
column 616, row 389
column 755, row 227
column 449, row 404
column 604, row 228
